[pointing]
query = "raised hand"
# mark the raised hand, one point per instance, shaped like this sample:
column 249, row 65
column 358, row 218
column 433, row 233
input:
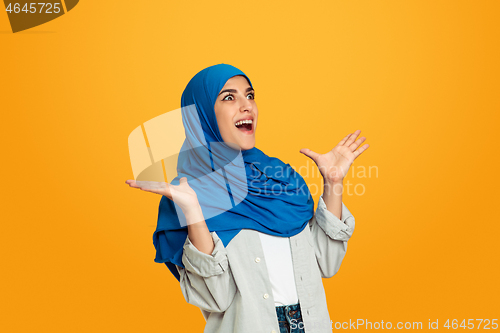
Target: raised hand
column 182, row 194
column 334, row 164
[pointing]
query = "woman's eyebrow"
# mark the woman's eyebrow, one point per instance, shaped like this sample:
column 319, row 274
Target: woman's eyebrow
column 234, row 90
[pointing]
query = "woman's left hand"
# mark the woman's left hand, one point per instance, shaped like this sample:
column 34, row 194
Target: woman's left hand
column 334, row 164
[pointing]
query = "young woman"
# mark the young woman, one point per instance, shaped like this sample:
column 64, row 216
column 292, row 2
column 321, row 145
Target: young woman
column 237, row 228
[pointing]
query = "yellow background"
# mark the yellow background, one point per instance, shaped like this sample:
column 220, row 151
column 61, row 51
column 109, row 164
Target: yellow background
column 419, row 78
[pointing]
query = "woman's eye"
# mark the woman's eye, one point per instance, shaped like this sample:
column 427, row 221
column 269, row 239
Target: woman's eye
column 232, row 97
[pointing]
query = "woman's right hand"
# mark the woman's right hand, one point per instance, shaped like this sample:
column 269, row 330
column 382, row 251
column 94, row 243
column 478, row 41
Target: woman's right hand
column 183, row 195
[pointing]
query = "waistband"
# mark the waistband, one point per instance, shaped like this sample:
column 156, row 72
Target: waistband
column 290, row 307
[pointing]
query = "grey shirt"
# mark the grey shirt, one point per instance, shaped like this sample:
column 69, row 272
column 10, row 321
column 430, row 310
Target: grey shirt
column 232, row 287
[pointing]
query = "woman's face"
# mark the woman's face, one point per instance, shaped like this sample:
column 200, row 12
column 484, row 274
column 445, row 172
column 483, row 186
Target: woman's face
column 235, row 102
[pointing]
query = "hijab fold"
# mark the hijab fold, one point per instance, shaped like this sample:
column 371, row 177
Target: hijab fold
column 236, row 189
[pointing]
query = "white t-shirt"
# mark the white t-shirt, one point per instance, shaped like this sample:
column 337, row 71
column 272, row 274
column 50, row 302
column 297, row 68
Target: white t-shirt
column 278, row 257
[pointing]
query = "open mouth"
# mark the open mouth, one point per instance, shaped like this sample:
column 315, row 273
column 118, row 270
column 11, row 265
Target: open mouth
column 245, row 126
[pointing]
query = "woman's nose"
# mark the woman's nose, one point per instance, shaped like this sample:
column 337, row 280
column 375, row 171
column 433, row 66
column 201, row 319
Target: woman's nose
column 246, row 105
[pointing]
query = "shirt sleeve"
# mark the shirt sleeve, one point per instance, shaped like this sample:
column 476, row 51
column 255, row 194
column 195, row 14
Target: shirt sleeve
column 202, row 264
column 206, row 279
column 329, row 236
column 335, row 228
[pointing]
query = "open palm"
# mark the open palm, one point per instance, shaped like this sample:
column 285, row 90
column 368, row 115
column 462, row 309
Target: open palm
column 335, row 164
column 182, row 194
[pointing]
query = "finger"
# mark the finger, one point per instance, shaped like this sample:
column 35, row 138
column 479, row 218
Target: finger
column 132, row 183
column 357, row 143
column 360, row 150
column 352, row 137
column 161, row 188
column 156, row 191
column 309, row 153
column 342, row 142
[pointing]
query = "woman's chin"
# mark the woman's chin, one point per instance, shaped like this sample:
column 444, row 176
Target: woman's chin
column 247, row 146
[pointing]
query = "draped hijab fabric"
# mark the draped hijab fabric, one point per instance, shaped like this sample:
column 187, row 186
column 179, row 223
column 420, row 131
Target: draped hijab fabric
column 236, row 189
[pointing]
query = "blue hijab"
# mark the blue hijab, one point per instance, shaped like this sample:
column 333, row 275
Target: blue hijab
column 236, row 189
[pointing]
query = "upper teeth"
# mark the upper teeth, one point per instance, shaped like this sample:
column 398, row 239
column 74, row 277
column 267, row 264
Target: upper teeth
column 243, row 122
